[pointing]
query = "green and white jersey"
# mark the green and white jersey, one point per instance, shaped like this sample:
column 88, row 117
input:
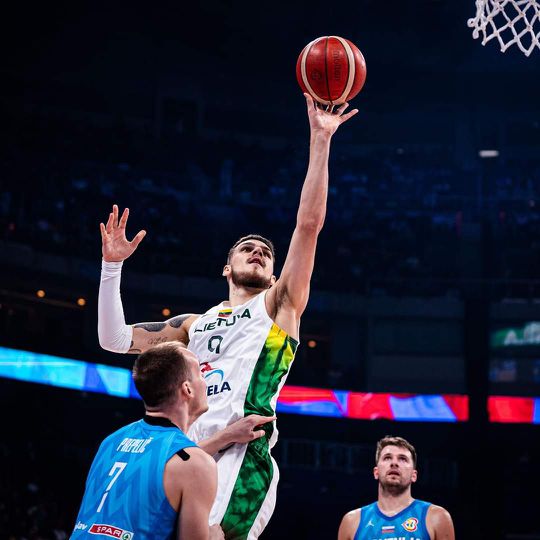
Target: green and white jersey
column 245, row 358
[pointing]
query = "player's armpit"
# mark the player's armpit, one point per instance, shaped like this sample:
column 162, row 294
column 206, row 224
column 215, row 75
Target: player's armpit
column 196, row 482
column 148, row 334
column 349, row 525
column 439, row 523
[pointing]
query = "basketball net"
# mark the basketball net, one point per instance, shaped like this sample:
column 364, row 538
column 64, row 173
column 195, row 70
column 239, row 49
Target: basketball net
column 511, row 22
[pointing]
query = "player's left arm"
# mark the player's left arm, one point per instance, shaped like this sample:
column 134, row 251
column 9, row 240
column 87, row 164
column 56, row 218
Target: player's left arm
column 439, row 523
column 291, row 290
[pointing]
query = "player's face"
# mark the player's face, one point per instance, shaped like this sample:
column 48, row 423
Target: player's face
column 251, row 265
column 395, row 469
column 199, row 403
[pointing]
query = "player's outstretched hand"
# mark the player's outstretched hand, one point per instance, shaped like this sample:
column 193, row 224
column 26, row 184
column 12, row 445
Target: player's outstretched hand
column 216, row 533
column 326, row 121
column 115, row 246
column 245, row 429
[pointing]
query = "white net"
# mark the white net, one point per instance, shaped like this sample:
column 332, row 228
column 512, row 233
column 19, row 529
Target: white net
column 511, row 22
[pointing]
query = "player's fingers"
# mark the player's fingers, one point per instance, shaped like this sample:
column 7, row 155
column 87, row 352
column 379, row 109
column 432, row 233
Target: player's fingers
column 341, row 110
column 259, row 420
column 103, row 232
column 310, row 103
column 115, row 215
column 138, row 238
column 345, row 117
column 109, row 225
column 258, row 434
column 124, row 218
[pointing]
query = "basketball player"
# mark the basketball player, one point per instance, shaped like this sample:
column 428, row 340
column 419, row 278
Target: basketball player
column 148, row 475
column 396, row 514
column 245, row 344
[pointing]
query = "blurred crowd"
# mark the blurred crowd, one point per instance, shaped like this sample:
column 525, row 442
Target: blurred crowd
column 392, row 214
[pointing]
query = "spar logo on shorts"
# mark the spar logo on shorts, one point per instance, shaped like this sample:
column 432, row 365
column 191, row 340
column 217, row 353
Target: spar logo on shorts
column 214, row 380
column 410, row 524
column 111, row 531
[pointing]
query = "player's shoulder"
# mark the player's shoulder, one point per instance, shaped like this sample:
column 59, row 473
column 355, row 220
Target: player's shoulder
column 437, row 514
column 353, row 514
column 352, row 519
column 349, row 524
column 192, row 459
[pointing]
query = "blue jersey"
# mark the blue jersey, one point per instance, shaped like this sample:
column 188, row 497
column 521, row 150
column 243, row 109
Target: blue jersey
column 124, row 496
column 409, row 524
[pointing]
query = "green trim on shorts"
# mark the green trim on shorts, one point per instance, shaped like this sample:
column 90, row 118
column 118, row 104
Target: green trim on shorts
column 257, row 471
column 250, row 489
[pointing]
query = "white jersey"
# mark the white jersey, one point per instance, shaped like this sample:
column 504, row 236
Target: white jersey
column 245, row 358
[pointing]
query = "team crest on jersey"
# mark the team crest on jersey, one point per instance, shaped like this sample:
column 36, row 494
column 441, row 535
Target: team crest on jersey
column 410, row 524
column 111, row 531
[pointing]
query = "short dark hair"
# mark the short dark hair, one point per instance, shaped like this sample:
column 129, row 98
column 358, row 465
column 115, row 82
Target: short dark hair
column 389, row 440
column 262, row 239
column 159, row 371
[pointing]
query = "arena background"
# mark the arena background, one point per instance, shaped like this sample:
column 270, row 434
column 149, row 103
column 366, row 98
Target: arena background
column 425, row 297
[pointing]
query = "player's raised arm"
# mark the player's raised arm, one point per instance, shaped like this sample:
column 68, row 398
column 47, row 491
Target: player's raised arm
column 292, row 288
column 113, row 332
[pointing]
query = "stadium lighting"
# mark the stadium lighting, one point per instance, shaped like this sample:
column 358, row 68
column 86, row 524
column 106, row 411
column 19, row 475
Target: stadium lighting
column 488, row 153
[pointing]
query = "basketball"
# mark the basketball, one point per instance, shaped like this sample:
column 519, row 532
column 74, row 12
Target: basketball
column 331, row 69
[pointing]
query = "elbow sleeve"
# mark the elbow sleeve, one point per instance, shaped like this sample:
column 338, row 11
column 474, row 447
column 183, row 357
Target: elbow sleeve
column 113, row 332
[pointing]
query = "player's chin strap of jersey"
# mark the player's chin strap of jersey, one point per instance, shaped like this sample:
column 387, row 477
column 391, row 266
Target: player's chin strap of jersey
column 113, row 332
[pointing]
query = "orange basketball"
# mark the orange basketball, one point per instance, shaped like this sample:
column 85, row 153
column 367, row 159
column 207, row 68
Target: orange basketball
column 331, row 69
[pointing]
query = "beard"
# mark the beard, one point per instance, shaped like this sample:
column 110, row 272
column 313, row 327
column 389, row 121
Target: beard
column 394, row 488
column 250, row 281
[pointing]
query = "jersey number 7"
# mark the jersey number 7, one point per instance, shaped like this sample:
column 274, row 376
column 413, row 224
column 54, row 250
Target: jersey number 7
column 119, row 466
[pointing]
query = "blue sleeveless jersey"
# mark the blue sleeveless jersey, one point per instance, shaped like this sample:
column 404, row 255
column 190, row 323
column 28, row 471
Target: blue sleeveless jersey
column 124, row 496
column 409, row 524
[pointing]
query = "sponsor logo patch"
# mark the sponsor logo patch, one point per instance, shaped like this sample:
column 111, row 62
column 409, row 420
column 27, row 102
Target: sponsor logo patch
column 111, row 531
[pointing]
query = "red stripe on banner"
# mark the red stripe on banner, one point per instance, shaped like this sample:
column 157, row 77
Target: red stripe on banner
column 369, row 406
column 510, row 410
column 293, row 394
column 459, row 406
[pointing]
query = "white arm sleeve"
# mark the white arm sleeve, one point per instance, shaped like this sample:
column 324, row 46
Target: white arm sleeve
column 113, row 332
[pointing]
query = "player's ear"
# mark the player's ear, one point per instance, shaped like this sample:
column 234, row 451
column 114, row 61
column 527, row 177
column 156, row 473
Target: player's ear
column 273, row 280
column 376, row 473
column 414, row 476
column 226, row 270
column 186, row 389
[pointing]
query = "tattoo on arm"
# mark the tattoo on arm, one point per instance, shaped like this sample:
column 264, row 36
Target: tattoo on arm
column 155, row 341
column 176, row 322
column 151, row 326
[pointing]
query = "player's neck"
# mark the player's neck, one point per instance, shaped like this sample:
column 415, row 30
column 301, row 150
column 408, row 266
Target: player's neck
column 241, row 295
column 178, row 418
column 392, row 503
